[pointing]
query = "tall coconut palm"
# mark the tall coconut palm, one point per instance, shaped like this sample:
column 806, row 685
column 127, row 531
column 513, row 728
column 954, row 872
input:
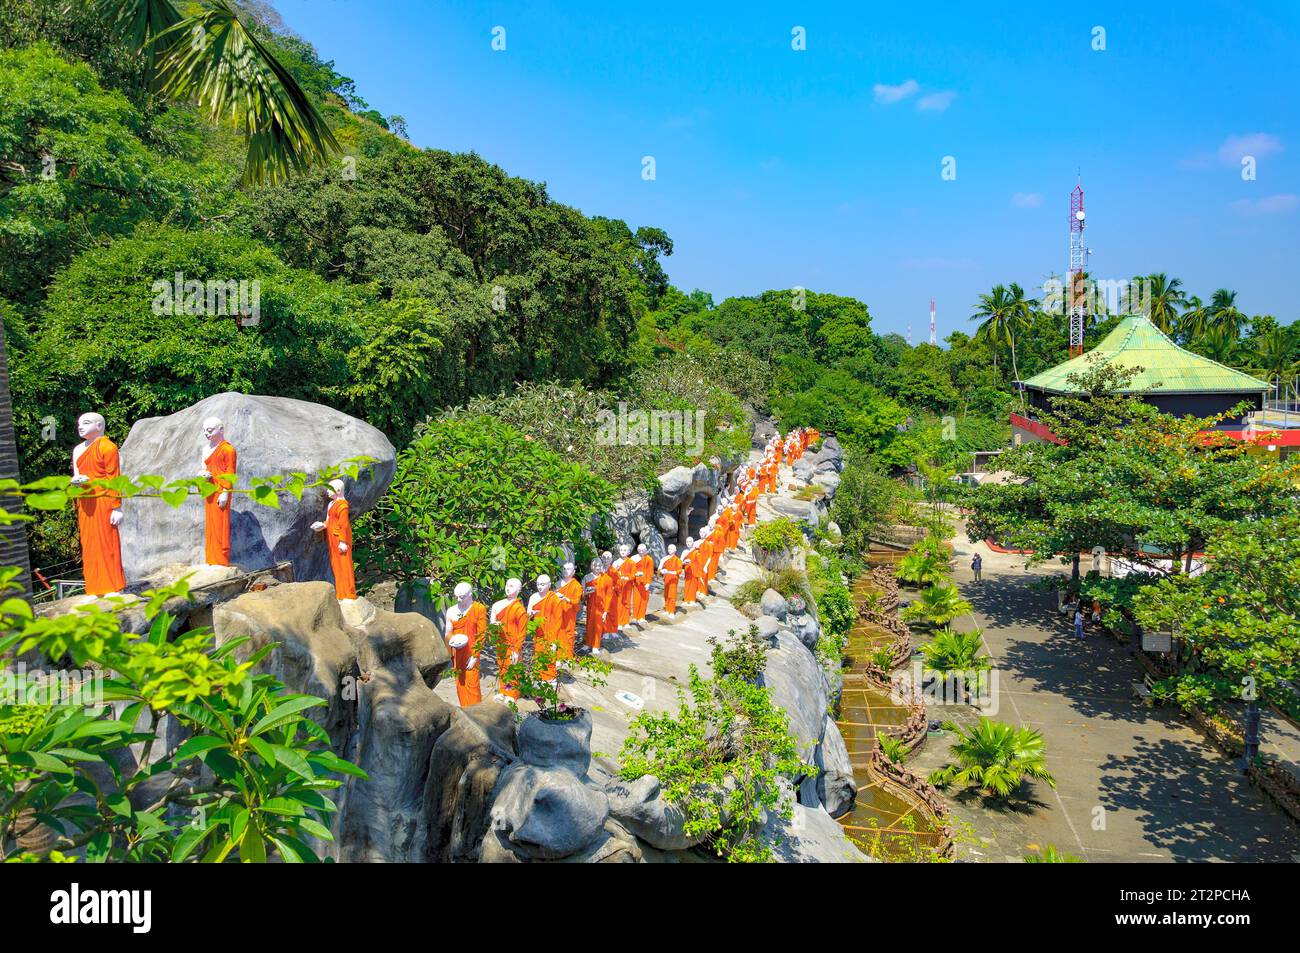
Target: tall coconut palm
column 1224, row 312
column 1220, row 343
column 1274, row 355
column 1164, row 298
column 1001, row 314
column 1195, row 319
column 211, row 56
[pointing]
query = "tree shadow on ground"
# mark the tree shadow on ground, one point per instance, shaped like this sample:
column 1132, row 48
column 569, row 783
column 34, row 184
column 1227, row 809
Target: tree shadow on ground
column 1192, row 803
column 1026, row 802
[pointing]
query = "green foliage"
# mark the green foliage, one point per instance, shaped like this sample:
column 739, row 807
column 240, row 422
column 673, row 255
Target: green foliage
column 789, row 582
column 867, row 504
column 923, row 567
column 937, row 605
column 893, row 747
column 996, row 758
column 1050, row 855
column 835, row 609
column 779, row 535
column 952, row 652
column 688, row 385
column 473, row 498
column 741, row 656
column 726, row 757
column 1237, row 624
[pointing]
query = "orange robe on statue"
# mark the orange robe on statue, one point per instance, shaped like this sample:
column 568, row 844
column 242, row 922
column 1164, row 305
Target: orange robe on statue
column 691, row 567
column 472, row 625
column 338, row 529
column 599, row 590
column 513, row 619
column 101, row 547
column 671, row 569
column 570, row 596
column 623, row 591
column 611, row 604
column 546, row 637
column 216, row 518
column 644, row 573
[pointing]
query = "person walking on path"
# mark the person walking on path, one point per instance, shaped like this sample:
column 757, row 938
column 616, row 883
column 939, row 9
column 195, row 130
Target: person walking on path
column 977, row 566
column 1078, row 621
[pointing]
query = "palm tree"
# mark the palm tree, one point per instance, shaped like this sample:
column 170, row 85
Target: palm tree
column 996, row 758
column 938, row 605
column 951, row 651
column 1001, row 314
column 1195, row 319
column 1224, row 312
column 1273, row 354
column 1165, row 298
column 213, row 58
column 1220, row 344
column 922, row 568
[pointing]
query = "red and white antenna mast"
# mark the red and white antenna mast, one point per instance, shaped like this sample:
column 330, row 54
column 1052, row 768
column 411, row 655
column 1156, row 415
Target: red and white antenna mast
column 1077, row 254
column 933, row 339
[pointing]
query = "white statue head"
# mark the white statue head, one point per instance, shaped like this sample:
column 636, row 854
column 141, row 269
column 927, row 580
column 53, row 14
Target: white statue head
column 608, row 558
column 641, row 549
column 335, row 489
column 464, row 593
column 672, row 549
column 567, row 571
column 543, row 584
column 690, row 541
column 90, row 426
column 512, row 587
column 597, row 567
column 213, row 429
column 624, row 550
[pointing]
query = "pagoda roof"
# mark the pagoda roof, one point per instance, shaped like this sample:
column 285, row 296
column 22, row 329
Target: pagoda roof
column 1166, row 367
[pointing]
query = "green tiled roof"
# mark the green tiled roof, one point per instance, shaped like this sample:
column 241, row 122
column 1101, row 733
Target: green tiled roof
column 1166, row 367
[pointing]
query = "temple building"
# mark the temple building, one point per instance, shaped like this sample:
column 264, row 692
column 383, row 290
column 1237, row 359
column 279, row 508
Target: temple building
column 1173, row 380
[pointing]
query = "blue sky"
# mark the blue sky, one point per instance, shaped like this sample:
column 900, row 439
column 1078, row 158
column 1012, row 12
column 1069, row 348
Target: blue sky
column 821, row 167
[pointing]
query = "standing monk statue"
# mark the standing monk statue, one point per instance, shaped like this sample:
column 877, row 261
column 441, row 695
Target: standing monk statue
column 466, row 629
column 569, row 593
column 643, row 574
column 671, row 568
column 510, row 614
column 218, row 467
column 338, row 537
column 599, row 591
column 98, row 513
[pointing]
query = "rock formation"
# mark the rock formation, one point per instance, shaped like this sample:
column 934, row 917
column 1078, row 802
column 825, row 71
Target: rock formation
column 274, row 436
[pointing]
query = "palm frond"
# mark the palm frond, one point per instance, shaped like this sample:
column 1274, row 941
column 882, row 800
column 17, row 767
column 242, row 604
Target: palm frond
column 231, row 74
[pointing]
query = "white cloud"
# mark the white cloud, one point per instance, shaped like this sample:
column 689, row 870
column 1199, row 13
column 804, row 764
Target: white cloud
column 936, row 102
column 889, row 95
column 1255, row 144
column 1278, row 204
column 1027, row 199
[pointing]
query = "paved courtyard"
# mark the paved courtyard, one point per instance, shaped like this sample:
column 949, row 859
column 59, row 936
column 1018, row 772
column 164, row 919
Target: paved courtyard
column 1133, row 784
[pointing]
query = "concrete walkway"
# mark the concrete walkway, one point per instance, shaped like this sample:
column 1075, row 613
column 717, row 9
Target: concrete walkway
column 1133, row 783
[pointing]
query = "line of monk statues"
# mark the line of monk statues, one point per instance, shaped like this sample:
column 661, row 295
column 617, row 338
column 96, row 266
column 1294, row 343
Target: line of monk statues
column 100, row 511
column 615, row 593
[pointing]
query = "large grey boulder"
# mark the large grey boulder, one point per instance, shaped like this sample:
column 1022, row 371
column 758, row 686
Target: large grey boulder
column 639, row 806
column 774, row 604
column 798, row 685
column 811, row 836
column 633, row 521
column 836, row 786
column 273, row 436
column 806, row 628
column 547, row 813
column 556, row 744
column 804, row 469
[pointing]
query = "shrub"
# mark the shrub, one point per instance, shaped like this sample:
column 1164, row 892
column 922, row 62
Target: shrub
column 778, row 535
column 995, row 757
column 893, row 747
column 937, row 605
column 1050, row 855
column 788, row 582
column 726, row 757
column 475, row 499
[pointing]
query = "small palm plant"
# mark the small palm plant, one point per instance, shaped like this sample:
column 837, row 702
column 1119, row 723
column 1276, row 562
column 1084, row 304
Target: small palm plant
column 938, row 605
column 996, row 758
column 922, row 568
column 893, row 748
column 1050, row 855
column 951, row 651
